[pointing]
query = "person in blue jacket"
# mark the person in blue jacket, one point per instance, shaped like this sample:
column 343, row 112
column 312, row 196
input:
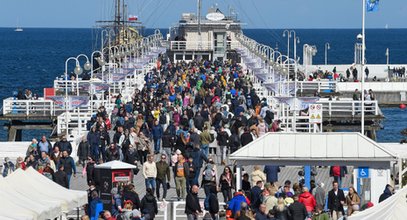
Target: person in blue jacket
column 157, row 133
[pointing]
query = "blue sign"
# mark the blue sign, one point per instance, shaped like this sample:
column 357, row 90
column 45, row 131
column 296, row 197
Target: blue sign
column 363, row 172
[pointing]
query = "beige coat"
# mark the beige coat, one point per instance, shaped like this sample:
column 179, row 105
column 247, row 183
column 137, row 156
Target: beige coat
column 258, row 175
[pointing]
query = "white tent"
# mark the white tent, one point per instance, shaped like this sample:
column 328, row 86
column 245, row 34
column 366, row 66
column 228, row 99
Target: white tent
column 32, row 187
column 115, row 165
column 80, row 197
column 392, row 208
column 43, row 209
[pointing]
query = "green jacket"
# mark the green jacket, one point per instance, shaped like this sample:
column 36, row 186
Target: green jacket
column 321, row 216
column 163, row 170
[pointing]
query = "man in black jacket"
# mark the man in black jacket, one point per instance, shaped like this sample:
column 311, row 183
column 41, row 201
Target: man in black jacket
column 336, row 200
column 60, row 177
column 69, row 165
column 192, row 206
column 297, row 210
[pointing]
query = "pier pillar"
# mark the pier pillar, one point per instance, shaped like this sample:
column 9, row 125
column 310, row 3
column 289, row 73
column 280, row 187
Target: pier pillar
column 12, row 132
column 371, row 134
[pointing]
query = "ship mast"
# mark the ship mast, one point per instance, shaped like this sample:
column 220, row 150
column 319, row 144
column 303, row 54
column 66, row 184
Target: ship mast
column 199, row 24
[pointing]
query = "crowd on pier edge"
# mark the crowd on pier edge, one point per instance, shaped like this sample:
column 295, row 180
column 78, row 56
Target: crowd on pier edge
column 179, row 129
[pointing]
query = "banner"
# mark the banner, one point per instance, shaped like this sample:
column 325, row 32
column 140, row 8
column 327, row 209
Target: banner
column 372, row 5
column 58, row 100
column 94, row 87
column 73, row 101
column 78, row 101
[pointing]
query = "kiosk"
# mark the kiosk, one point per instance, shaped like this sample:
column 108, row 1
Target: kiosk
column 112, row 174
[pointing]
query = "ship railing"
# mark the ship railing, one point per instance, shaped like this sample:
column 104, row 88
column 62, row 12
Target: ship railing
column 317, row 86
column 37, row 107
column 191, row 45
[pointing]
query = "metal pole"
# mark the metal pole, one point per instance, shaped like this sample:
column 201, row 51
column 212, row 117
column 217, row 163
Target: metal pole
column 327, row 47
column 387, row 56
column 363, row 63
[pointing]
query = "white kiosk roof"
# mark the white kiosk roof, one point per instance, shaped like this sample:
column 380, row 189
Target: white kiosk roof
column 339, row 148
column 115, row 165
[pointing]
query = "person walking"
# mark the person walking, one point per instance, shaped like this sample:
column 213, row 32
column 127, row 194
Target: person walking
column 192, row 206
column 150, row 172
column 336, row 200
column 148, row 205
column 163, row 176
column 157, row 133
column 297, row 210
column 69, row 165
column 181, row 172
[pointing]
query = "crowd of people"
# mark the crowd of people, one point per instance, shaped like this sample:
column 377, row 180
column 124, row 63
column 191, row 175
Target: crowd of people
column 184, row 123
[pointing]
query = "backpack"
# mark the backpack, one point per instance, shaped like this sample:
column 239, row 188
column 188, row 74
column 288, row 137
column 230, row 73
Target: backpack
column 209, row 175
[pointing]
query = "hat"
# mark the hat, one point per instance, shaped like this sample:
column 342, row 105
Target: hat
column 178, row 152
column 288, row 200
column 128, row 202
column 369, row 204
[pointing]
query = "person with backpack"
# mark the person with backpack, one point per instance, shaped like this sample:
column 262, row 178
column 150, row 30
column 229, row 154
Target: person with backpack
column 226, row 183
column 149, row 207
column 208, row 177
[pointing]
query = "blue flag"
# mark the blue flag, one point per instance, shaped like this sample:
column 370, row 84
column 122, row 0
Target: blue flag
column 372, row 5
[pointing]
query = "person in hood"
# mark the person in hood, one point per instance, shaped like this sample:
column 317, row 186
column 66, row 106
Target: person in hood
column 235, row 203
column 148, row 205
column 388, row 191
column 308, row 200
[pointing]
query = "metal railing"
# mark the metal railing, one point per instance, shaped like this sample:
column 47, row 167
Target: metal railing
column 40, row 107
column 348, row 107
column 375, row 86
column 317, row 86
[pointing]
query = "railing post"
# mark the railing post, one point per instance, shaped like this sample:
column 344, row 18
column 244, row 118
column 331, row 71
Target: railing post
column 330, row 107
column 376, row 109
column 27, row 109
column 353, row 108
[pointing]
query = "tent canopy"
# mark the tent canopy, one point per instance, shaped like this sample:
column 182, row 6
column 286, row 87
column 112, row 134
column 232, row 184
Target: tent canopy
column 298, row 149
column 392, row 208
column 115, row 165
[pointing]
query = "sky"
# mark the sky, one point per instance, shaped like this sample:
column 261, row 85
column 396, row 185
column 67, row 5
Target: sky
column 272, row 14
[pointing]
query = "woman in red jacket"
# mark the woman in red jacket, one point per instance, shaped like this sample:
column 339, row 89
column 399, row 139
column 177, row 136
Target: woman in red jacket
column 308, row 200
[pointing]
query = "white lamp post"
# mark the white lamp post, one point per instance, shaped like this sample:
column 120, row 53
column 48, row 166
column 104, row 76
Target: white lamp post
column 76, row 71
column 327, row 47
column 288, row 40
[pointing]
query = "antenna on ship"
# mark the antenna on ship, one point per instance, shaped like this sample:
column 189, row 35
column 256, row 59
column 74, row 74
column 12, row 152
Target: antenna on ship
column 199, row 24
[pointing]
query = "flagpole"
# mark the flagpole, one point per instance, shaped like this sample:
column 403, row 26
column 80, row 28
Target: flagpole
column 363, row 64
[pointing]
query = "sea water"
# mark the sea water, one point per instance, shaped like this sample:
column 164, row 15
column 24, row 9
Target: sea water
column 34, row 58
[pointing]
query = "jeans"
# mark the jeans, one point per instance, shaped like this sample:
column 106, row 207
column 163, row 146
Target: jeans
column 180, row 184
column 192, row 217
column 223, row 150
column 205, row 149
column 196, row 177
column 339, row 180
column 157, row 145
column 95, row 152
column 227, row 194
column 150, row 182
column 164, row 184
column 69, row 179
